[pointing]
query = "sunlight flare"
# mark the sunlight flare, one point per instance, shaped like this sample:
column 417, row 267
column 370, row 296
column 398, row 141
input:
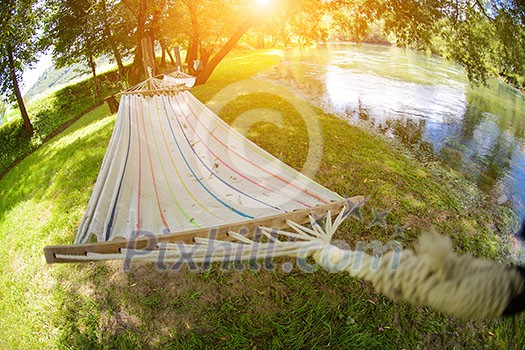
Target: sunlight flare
column 263, row 3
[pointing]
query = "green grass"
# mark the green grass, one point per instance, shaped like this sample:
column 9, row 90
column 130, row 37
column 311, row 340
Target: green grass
column 97, row 306
column 48, row 115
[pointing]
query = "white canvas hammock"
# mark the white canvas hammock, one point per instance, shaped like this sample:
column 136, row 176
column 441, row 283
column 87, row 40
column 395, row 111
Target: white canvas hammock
column 173, row 169
column 180, row 78
column 177, row 183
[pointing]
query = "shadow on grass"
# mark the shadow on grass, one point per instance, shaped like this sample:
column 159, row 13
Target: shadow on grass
column 61, row 170
column 223, row 309
column 102, row 307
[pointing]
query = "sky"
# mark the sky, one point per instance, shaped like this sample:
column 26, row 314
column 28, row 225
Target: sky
column 31, row 76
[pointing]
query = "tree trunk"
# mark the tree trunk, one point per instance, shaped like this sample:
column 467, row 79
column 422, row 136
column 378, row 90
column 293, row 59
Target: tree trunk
column 118, row 59
column 208, row 70
column 274, row 41
column 205, row 56
column 112, row 42
column 176, row 49
column 163, row 56
column 112, row 104
column 192, row 55
column 260, row 40
column 136, row 70
column 193, row 49
column 172, row 59
column 148, row 57
column 18, row 94
column 93, row 68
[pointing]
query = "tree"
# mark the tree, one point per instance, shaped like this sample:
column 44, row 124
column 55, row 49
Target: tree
column 303, row 20
column 484, row 36
column 116, row 27
column 207, row 30
column 74, row 32
column 351, row 22
column 140, row 11
column 173, row 31
column 224, row 50
column 213, row 34
column 19, row 25
column 305, row 17
column 508, row 53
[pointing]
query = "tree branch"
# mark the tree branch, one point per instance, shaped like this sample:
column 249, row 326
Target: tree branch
column 480, row 6
column 206, row 73
column 131, row 8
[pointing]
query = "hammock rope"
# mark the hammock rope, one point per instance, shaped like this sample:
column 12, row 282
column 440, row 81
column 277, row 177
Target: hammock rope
column 458, row 285
column 462, row 286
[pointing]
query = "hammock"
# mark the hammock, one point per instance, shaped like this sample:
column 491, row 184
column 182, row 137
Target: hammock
column 180, row 78
column 174, row 170
column 177, row 184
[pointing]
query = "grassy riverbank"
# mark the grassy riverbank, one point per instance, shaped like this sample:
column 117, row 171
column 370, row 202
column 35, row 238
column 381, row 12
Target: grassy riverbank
column 43, row 198
column 49, row 116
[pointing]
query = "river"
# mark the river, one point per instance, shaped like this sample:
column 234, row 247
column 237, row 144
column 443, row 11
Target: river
column 425, row 102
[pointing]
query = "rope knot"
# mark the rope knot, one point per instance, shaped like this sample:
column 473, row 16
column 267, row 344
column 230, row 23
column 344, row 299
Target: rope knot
column 333, row 258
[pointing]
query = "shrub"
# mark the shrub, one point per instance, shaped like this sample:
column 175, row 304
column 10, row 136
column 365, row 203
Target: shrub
column 50, row 114
column 15, row 142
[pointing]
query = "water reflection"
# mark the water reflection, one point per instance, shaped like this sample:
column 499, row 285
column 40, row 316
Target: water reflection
column 425, row 102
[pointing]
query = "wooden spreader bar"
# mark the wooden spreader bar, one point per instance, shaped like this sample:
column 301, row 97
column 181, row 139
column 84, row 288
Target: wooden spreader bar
column 153, row 92
column 248, row 228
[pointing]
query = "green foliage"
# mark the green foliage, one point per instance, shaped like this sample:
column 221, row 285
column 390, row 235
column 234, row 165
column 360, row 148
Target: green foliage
column 19, row 26
column 19, row 23
column 52, row 78
column 356, row 22
column 484, row 37
column 508, row 54
column 210, row 24
column 412, row 23
column 14, row 140
column 287, row 21
column 81, row 31
column 174, row 28
column 469, row 44
column 69, row 29
column 304, row 17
